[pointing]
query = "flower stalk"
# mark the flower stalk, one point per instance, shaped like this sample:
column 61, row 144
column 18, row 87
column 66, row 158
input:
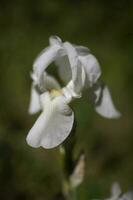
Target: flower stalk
column 73, row 172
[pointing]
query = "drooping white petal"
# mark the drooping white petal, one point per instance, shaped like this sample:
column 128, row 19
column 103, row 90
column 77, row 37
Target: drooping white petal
column 78, row 74
column 34, row 101
column 46, row 57
column 53, row 125
column 91, row 67
column 34, row 78
column 103, row 102
column 44, row 100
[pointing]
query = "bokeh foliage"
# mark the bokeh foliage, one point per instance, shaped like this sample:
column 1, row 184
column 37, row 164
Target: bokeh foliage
column 106, row 27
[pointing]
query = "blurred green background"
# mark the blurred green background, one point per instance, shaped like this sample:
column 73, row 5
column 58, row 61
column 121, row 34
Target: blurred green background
column 106, row 27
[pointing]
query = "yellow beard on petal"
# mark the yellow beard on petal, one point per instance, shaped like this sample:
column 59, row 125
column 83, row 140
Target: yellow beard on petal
column 55, row 93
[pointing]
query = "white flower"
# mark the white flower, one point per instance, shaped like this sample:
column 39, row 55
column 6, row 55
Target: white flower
column 79, row 69
column 116, row 193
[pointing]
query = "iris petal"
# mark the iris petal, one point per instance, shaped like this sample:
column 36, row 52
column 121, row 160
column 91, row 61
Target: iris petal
column 81, row 50
column 46, row 57
column 55, row 40
column 91, row 67
column 34, row 101
column 78, row 75
column 101, row 97
column 48, row 82
column 53, row 125
column 64, row 68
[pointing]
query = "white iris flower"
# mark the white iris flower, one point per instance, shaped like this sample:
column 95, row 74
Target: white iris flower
column 116, row 193
column 79, row 69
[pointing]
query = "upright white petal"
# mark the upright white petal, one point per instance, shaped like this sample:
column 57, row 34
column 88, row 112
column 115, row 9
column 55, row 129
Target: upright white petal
column 78, row 75
column 55, row 40
column 103, row 102
column 91, row 67
column 79, row 78
column 53, row 125
column 81, row 50
column 34, row 101
column 72, row 54
column 46, row 57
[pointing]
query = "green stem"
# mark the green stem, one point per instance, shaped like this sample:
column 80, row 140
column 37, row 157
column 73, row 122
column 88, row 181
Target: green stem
column 68, row 164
